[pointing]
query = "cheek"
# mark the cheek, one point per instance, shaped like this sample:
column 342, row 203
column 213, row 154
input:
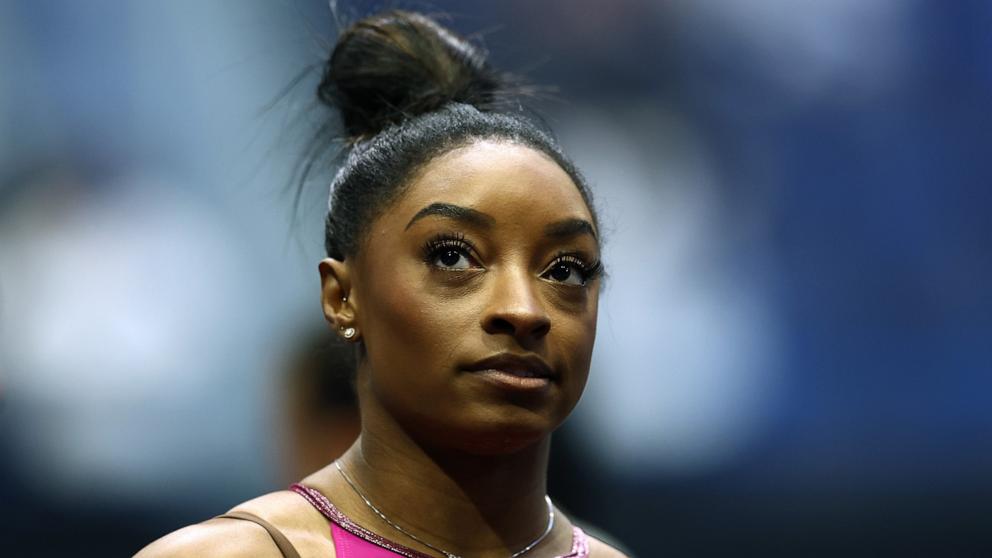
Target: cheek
column 577, row 335
column 407, row 331
column 394, row 322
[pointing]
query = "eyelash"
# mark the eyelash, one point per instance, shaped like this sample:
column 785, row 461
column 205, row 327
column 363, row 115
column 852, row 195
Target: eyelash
column 449, row 241
column 457, row 241
column 589, row 272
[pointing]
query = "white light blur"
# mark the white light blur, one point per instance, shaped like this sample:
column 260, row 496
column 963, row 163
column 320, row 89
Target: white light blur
column 845, row 48
column 122, row 320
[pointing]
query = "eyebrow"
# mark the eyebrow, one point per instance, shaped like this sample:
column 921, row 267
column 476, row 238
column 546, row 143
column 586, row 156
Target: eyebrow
column 570, row 227
column 559, row 229
column 455, row 212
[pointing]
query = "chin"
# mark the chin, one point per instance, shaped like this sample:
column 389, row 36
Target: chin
column 498, row 435
column 498, row 443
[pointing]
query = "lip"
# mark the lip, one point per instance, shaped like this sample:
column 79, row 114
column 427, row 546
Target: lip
column 515, row 371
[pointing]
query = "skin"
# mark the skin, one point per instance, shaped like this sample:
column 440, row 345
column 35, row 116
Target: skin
column 446, row 451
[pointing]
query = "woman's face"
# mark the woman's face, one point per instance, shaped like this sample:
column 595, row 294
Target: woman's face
column 475, row 295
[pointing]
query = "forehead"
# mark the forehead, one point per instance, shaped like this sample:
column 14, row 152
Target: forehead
column 506, row 180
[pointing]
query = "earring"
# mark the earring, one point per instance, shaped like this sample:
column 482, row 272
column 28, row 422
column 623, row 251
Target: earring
column 348, row 332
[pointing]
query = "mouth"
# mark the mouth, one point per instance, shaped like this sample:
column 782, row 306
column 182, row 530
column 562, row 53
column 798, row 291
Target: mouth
column 514, row 371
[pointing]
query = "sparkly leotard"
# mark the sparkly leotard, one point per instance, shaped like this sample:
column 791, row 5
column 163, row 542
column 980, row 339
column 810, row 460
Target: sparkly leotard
column 354, row 541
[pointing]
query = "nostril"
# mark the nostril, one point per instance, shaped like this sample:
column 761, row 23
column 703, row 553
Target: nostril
column 534, row 328
column 501, row 325
column 542, row 329
column 516, row 310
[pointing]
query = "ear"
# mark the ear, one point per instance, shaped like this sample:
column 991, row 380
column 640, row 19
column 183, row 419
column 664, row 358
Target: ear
column 336, row 296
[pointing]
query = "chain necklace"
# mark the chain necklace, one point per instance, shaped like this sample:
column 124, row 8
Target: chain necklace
column 524, row 550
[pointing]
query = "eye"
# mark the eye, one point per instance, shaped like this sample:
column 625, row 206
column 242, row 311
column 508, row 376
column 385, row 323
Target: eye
column 449, row 252
column 451, row 258
column 569, row 269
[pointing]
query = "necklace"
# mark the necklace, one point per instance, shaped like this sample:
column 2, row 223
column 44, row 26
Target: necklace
column 524, row 550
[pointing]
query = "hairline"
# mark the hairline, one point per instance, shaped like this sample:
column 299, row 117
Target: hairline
column 418, row 170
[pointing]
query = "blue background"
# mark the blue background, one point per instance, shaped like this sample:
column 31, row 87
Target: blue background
column 795, row 345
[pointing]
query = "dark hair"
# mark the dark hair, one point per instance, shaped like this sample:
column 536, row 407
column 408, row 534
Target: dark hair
column 409, row 90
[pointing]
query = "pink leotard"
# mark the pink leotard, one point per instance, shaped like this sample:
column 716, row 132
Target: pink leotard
column 354, row 541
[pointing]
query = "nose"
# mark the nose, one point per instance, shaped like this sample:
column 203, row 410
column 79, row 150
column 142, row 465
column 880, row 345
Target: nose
column 516, row 309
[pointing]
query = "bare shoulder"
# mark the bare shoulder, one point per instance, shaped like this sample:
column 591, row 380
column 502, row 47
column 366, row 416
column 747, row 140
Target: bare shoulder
column 218, row 538
column 305, row 528
column 285, row 510
column 599, row 549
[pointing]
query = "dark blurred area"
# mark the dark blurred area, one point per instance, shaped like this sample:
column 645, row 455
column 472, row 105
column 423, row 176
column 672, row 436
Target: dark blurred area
column 794, row 351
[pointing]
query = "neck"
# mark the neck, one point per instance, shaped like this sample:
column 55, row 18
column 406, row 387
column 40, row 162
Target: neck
column 489, row 505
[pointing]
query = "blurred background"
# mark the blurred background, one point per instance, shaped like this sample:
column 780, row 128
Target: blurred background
column 795, row 348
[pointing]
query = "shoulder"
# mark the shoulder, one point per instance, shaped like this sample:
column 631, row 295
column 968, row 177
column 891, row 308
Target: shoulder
column 305, row 528
column 218, row 538
column 599, row 549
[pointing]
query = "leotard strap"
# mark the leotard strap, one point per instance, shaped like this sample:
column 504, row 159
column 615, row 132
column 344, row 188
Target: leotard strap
column 580, row 543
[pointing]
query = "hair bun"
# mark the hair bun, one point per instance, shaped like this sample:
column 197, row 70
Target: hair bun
column 396, row 64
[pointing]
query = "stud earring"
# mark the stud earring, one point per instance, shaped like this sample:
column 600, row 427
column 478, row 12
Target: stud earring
column 348, row 332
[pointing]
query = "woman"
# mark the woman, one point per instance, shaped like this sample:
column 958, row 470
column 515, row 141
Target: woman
column 463, row 264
